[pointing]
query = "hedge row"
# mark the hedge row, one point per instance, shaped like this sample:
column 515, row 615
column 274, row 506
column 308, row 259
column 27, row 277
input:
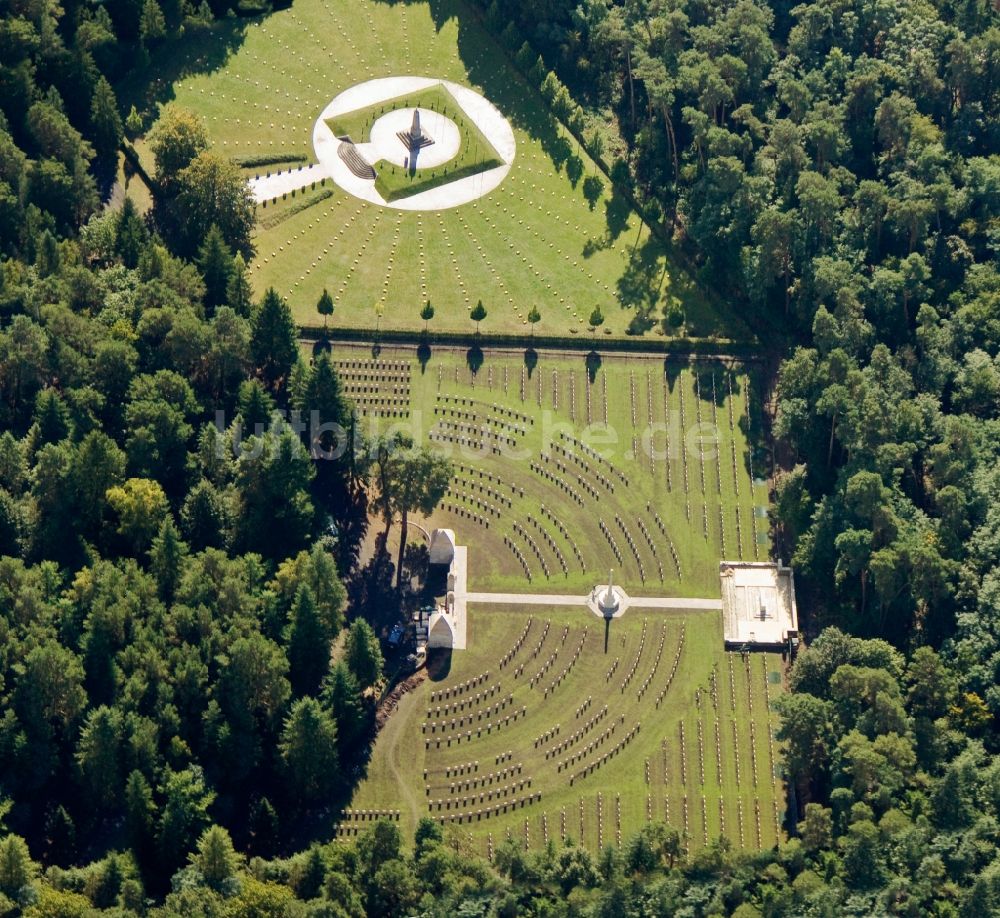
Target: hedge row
column 270, row 159
column 389, row 337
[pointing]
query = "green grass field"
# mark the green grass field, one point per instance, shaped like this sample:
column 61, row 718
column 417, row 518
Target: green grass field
column 655, row 483
column 704, row 759
column 534, row 241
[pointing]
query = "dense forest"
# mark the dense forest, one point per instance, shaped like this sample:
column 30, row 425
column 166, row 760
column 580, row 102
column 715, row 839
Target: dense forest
column 169, row 734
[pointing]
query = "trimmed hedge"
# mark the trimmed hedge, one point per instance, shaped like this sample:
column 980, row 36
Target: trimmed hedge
column 269, row 159
column 388, row 337
column 391, row 188
column 309, row 198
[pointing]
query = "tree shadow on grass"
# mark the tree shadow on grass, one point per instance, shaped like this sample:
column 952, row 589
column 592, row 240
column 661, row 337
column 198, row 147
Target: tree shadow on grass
column 617, row 211
column 202, row 49
column 416, row 562
column 423, row 356
column 474, row 358
column 672, row 368
column 488, row 67
column 370, row 591
column 530, row 360
column 640, row 284
column 712, row 376
column 593, row 365
column 350, row 513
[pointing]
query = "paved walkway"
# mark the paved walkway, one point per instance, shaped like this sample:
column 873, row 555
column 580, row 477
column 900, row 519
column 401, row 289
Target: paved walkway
column 460, row 618
column 276, row 184
column 463, row 599
column 530, row 599
column 554, row 599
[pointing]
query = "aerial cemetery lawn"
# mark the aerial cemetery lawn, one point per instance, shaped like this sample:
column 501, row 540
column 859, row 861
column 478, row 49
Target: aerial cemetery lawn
column 553, row 234
column 533, row 730
column 572, row 465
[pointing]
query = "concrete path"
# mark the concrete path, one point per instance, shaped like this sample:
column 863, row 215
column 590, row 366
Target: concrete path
column 530, row 599
column 460, row 618
column 463, row 599
column 554, row 599
column 674, row 602
column 276, row 184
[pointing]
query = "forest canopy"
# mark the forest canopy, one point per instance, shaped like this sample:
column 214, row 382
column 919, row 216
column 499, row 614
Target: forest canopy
column 170, row 735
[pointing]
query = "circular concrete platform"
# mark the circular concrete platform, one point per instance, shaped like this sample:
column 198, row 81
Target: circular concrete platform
column 476, row 108
column 441, row 129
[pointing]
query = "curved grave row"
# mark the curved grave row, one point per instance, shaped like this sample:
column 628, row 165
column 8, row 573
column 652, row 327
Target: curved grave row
column 597, row 763
column 468, row 736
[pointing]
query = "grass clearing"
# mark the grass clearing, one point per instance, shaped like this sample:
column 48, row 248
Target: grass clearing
column 536, row 240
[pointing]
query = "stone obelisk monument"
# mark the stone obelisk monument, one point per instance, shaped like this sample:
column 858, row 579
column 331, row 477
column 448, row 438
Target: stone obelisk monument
column 415, row 138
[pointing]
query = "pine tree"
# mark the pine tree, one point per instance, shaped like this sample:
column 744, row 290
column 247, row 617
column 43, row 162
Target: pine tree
column 140, row 811
column 105, row 121
column 255, row 407
column 427, row 313
column 47, row 254
column 130, row 234
column 324, row 404
column 596, row 319
column 52, row 422
column 534, row 316
column 308, row 645
column 166, row 557
column 133, row 122
column 264, row 827
column 324, row 580
column 478, row 314
column 152, row 23
column 215, row 858
column 363, row 654
column 524, row 57
column 343, row 696
column 203, row 517
column 308, row 882
column 11, row 525
column 309, row 750
column 184, row 816
column 298, row 384
column 274, row 342
column 17, row 869
column 325, row 307
column 99, row 756
column 215, row 261
column 239, row 294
